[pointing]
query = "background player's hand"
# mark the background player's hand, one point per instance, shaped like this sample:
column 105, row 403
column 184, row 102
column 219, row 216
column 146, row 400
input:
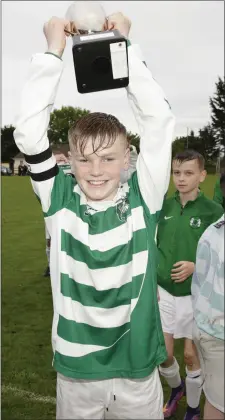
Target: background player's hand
column 120, row 22
column 55, row 34
column 182, row 270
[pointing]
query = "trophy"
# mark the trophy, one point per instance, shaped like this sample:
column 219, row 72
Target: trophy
column 100, row 56
column 87, row 16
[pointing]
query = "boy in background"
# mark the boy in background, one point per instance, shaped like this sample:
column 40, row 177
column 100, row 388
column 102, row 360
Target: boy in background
column 183, row 219
column 208, row 305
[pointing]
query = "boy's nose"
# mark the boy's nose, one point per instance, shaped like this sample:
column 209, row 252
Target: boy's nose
column 96, row 169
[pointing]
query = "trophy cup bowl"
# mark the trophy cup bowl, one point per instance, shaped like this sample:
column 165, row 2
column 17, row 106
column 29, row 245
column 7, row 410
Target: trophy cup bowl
column 88, row 16
column 99, row 55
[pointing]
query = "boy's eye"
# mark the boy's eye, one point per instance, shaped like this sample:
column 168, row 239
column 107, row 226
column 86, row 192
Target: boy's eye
column 108, row 159
column 82, row 160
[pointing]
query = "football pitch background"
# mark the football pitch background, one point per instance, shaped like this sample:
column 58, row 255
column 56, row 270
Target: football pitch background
column 28, row 380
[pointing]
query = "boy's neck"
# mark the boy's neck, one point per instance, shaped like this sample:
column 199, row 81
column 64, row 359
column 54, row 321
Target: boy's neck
column 190, row 196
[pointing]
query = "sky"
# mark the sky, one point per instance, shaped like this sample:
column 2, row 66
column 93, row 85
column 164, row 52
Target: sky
column 182, row 43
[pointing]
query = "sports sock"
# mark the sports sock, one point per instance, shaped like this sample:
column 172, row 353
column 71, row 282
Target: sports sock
column 194, row 383
column 171, row 374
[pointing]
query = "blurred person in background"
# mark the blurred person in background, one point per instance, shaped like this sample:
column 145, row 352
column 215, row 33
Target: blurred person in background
column 208, row 305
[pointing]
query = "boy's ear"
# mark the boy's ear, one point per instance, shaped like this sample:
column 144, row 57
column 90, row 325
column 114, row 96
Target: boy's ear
column 203, row 175
column 127, row 158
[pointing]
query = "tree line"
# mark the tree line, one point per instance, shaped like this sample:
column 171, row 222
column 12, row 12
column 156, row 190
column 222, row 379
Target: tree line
column 209, row 141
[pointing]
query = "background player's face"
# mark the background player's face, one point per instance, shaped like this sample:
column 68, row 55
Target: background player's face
column 187, row 175
column 98, row 174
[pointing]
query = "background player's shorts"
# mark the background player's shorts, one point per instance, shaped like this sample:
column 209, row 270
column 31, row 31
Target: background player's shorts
column 211, row 356
column 176, row 314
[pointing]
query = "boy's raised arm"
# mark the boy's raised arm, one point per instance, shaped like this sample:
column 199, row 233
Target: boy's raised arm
column 156, row 124
column 37, row 100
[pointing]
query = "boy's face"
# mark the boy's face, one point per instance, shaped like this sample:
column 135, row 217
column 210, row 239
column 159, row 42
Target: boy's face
column 187, row 175
column 98, row 174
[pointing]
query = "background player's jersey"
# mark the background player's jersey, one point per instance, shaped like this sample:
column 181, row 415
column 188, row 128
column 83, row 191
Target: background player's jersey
column 66, row 168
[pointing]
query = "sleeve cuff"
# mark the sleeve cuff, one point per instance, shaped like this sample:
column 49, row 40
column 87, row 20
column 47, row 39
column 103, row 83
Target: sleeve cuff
column 55, row 55
column 42, row 166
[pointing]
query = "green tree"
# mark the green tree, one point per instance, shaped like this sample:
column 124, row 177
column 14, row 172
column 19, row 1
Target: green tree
column 8, row 146
column 191, row 140
column 184, row 142
column 60, row 122
column 217, row 104
column 207, row 143
column 204, row 142
column 178, row 145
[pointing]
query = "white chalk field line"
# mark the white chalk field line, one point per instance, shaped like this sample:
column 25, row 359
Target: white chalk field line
column 28, row 395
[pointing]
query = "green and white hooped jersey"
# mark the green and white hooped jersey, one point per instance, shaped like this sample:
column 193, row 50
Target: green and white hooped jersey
column 66, row 168
column 107, row 305
column 103, row 263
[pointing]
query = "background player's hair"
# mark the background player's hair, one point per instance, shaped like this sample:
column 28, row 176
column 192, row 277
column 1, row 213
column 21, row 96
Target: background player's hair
column 104, row 128
column 190, row 154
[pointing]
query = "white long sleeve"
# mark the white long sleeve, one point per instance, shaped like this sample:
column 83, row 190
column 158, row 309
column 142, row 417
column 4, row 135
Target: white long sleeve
column 156, row 124
column 32, row 123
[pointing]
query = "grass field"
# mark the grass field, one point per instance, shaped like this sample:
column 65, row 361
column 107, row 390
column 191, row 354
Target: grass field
column 28, row 380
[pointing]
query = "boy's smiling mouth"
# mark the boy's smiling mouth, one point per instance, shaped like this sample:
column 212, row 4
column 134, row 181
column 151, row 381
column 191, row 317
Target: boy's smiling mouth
column 97, row 183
